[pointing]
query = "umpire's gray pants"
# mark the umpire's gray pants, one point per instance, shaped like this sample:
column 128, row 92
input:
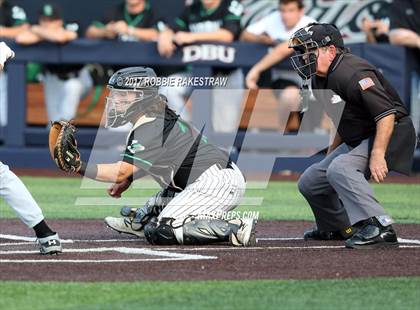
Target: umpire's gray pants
column 337, row 190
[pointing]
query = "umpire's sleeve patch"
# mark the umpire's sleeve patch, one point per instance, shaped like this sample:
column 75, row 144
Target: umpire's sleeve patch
column 366, row 83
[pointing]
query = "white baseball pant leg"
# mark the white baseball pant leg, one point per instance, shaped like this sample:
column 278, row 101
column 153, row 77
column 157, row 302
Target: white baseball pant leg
column 216, row 191
column 17, row 196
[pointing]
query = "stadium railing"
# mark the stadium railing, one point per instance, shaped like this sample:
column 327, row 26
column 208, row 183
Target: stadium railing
column 24, row 145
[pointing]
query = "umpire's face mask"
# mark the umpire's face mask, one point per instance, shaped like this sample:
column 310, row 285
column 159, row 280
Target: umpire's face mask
column 121, row 106
column 304, row 61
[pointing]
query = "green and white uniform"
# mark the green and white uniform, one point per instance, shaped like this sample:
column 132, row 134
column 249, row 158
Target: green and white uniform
column 179, row 157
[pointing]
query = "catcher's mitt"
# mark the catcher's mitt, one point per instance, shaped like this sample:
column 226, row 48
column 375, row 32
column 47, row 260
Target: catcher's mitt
column 63, row 146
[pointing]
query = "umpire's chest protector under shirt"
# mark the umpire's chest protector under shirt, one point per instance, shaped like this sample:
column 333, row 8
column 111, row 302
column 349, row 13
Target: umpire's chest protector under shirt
column 366, row 95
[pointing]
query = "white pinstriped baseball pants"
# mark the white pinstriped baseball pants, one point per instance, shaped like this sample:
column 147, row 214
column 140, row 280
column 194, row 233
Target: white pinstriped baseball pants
column 14, row 192
column 215, row 191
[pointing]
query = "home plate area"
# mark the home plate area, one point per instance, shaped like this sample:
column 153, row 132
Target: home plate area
column 93, row 252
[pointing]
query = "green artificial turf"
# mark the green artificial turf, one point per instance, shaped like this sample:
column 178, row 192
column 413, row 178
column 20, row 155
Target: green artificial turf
column 377, row 293
column 281, row 200
column 58, row 198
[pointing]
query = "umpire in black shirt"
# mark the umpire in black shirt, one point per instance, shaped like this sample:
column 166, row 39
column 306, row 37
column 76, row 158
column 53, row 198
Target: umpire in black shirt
column 374, row 135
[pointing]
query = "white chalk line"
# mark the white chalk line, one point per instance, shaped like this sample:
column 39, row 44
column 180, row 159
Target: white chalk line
column 28, row 239
column 161, row 255
column 279, row 239
column 37, row 261
column 75, row 241
column 31, row 240
column 404, row 243
column 221, row 248
column 400, row 240
column 262, row 248
column 408, row 241
column 123, row 250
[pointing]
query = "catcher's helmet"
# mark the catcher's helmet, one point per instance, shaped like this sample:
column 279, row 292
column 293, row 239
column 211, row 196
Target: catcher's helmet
column 131, row 90
column 306, row 41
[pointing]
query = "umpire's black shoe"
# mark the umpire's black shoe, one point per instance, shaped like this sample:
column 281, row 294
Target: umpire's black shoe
column 316, row 234
column 373, row 235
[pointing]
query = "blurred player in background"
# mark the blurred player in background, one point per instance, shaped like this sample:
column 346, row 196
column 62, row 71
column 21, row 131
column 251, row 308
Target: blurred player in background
column 133, row 20
column 64, row 85
column 405, row 23
column 14, row 192
column 12, row 22
column 405, row 31
column 377, row 28
column 206, row 20
column 276, row 29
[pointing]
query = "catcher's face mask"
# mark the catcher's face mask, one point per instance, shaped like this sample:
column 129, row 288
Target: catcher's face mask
column 304, row 61
column 122, row 105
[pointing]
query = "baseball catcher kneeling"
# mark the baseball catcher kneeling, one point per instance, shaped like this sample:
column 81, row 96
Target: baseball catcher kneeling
column 198, row 180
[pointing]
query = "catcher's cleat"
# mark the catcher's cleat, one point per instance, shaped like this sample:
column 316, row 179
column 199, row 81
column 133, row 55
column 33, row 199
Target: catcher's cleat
column 245, row 236
column 373, row 235
column 50, row 245
column 123, row 225
column 128, row 212
column 316, row 234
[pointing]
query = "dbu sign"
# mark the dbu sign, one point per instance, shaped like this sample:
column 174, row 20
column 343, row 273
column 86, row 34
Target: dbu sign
column 208, row 52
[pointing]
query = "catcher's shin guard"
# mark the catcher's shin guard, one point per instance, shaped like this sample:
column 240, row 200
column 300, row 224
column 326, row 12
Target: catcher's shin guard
column 194, row 232
column 205, row 231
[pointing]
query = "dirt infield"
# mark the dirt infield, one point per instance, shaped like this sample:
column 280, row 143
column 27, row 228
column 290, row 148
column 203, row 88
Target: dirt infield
column 94, row 252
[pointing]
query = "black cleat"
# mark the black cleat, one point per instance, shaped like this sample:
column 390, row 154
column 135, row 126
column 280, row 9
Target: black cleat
column 316, row 234
column 373, row 235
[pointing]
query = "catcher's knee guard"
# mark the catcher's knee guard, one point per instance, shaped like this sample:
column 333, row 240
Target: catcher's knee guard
column 205, row 231
column 152, row 208
column 160, row 233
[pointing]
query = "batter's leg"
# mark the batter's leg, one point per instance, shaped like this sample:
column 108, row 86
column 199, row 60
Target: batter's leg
column 18, row 197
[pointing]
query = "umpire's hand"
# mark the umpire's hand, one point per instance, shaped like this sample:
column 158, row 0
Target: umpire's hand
column 378, row 167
